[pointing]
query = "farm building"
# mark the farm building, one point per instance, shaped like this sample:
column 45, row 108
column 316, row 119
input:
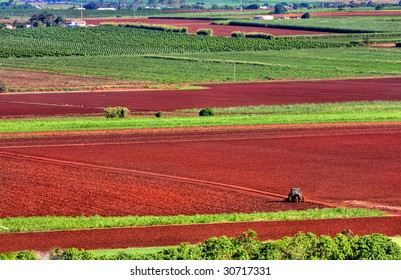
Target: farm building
column 75, row 23
column 289, row 16
column 263, row 17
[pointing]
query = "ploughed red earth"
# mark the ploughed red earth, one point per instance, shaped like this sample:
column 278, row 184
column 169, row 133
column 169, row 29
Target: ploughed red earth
column 217, row 95
column 194, row 25
column 174, row 235
column 199, row 171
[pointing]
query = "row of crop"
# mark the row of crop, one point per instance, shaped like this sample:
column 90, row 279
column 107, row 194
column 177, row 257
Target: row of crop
column 111, row 40
column 298, row 27
column 343, row 36
column 344, row 246
column 149, row 26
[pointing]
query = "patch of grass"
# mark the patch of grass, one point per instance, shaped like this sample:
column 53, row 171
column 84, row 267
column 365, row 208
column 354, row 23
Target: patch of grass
column 291, row 114
column 27, row 224
column 140, row 251
column 319, row 108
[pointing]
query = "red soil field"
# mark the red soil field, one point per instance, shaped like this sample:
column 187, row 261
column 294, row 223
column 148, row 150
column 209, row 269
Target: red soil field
column 218, row 30
column 174, row 235
column 217, row 95
column 229, row 170
column 32, row 187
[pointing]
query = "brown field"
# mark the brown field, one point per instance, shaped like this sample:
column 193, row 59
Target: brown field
column 35, row 81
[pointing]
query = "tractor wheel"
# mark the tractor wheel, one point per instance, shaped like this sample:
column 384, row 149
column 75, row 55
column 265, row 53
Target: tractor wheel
column 296, row 199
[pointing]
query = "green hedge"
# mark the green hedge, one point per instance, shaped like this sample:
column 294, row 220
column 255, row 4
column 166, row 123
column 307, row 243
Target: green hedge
column 205, row 32
column 259, row 35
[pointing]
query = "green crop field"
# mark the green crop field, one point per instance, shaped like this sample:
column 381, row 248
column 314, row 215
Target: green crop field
column 340, row 24
column 291, row 114
column 250, row 66
column 112, row 40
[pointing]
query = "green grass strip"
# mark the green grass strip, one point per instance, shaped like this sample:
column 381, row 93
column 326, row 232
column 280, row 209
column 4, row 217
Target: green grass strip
column 27, row 224
column 329, row 113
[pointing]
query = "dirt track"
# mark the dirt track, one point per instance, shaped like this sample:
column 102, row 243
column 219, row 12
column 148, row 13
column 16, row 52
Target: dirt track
column 218, row 95
column 174, row 235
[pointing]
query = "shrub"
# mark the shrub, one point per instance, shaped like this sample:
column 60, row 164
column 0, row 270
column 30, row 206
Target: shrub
column 26, row 255
column 75, row 254
column 116, row 112
column 238, row 34
column 159, row 115
column 376, row 247
column 305, row 16
column 205, row 32
column 398, row 45
column 259, row 35
column 3, row 87
column 207, row 112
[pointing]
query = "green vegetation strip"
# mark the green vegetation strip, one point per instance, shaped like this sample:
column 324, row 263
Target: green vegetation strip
column 27, row 224
column 249, row 66
column 291, row 114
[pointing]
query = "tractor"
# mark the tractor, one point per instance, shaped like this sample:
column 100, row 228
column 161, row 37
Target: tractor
column 295, row 195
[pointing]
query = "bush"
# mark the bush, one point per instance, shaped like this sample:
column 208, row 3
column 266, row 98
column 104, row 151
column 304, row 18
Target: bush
column 376, row 247
column 159, row 115
column 259, row 35
column 238, row 34
column 398, row 45
column 116, row 112
column 75, row 254
column 207, row 112
column 305, row 16
column 3, row 87
column 205, row 32
column 26, row 255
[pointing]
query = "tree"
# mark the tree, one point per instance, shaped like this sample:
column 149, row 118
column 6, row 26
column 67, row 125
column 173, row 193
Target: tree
column 45, row 18
column 91, row 6
column 122, row 4
column 3, row 86
column 305, row 16
column 252, row 7
column 172, row 3
column 279, row 9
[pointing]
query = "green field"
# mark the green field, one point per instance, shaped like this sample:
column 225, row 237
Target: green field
column 324, row 113
column 250, row 66
column 65, row 223
column 356, row 24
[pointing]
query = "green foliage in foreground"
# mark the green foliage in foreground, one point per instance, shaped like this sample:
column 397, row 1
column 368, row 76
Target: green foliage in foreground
column 247, row 247
column 26, row 224
column 379, row 111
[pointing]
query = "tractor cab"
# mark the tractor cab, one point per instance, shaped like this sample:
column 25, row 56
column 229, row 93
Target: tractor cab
column 295, row 195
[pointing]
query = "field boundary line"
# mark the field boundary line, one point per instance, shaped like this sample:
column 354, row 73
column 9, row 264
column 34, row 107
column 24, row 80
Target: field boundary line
column 266, row 194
